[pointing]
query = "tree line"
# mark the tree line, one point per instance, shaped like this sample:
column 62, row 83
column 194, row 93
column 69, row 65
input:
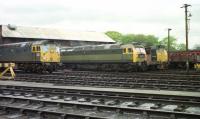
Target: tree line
column 147, row 40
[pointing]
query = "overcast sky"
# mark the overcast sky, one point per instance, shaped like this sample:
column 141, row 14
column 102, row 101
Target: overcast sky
column 126, row 16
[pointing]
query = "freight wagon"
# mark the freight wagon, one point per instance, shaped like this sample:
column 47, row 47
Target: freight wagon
column 178, row 59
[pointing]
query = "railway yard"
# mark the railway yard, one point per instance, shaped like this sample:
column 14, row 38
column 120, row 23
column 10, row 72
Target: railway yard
column 106, row 81
column 118, row 61
column 169, row 94
column 102, row 81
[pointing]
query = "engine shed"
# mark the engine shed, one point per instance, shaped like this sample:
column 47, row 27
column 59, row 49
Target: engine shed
column 14, row 34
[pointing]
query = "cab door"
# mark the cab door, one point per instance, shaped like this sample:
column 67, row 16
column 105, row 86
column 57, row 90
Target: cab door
column 153, row 55
column 36, row 52
column 124, row 54
column 128, row 55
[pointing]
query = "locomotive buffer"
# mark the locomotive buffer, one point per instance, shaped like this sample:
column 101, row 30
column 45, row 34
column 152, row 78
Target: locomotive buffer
column 4, row 70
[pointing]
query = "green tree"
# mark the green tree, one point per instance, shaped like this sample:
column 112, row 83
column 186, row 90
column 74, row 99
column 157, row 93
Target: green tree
column 128, row 38
column 197, row 47
column 172, row 43
column 147, row 40
column 114, row 35
column 181, row 47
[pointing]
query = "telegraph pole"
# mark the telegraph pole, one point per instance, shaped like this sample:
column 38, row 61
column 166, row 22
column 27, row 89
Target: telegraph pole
column 186, row 34
column 168, row 43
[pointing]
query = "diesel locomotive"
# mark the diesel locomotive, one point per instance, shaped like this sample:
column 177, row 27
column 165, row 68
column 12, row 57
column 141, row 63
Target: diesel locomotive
column 35, row 56
column 42, row 56
column 112, row 57
column 157, row 57
column 106, row 57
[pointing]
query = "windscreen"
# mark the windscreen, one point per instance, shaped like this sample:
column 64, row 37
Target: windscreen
column 141, row 50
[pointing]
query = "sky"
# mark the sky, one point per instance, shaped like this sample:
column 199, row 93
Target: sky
column 150, row 17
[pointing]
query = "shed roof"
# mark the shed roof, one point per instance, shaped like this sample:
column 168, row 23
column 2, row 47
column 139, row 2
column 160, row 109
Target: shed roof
column 54, row 34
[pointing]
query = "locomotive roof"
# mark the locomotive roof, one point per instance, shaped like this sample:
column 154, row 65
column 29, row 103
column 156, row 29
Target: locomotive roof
column 12, row 31
column 98, row 47
column 94, row 47
column 26, row 43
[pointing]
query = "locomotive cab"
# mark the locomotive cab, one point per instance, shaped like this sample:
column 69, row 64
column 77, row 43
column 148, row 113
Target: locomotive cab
column 136, row 54
column 46, row 53
column 37, row 56
column 157, row 57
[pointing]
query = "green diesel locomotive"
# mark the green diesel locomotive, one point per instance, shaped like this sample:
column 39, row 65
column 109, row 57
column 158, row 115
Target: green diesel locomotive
column 106, row 57
column 35, row 56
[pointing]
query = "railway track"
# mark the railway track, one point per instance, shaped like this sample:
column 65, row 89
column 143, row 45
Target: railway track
column 149, row 75
column 177, row 71
column 118, row 80
column 180, row 74
column 22, row 100
column 166, row 71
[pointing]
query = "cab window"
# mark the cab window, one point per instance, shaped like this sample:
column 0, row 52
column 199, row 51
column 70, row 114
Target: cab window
column 130, row 50
column 124, row 50
column 38, row 48
column 33, row 49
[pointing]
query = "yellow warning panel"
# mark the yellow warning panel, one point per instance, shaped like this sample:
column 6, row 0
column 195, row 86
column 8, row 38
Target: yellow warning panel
column 197, row 66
